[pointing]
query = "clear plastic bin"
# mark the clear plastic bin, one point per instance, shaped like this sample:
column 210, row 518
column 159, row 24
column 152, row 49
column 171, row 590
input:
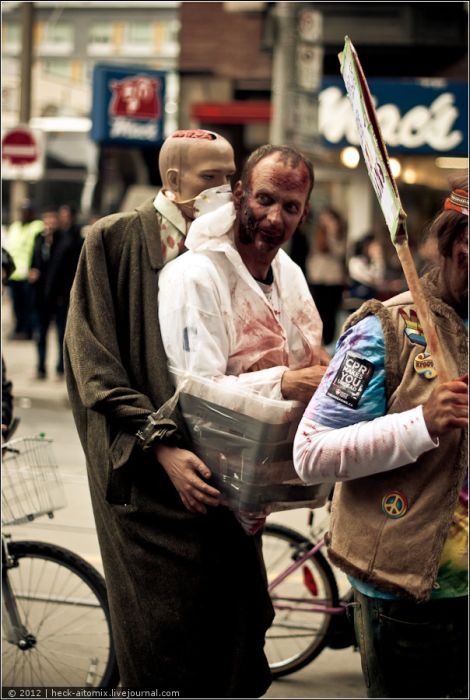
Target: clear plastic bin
column 248, row 450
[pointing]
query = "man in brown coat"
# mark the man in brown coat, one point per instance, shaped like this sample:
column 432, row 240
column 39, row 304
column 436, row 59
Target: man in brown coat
column 187, row 590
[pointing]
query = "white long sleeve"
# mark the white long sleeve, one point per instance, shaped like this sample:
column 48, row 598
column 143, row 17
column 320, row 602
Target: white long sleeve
column 369, row 447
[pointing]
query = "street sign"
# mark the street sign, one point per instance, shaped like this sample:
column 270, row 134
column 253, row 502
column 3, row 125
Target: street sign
column 19, row 146
column 22, row 154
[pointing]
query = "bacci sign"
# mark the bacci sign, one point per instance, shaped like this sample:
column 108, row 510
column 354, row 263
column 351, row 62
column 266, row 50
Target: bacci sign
column 414, row 117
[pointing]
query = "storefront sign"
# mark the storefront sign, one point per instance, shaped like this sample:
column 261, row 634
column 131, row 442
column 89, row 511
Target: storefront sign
column 128, row 105
column 425, row 116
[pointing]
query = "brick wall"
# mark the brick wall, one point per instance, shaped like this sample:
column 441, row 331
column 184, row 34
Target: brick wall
column 222, row 43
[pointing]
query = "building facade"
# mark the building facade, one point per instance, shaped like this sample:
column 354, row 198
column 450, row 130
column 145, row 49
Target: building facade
column 256, row 72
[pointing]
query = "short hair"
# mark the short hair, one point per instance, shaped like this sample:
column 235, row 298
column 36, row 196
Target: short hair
column 49, row 208
column 288, row 154
column 72, row 209
column 362, row 245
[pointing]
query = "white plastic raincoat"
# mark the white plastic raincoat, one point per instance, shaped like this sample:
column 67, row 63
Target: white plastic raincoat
column 216, row 321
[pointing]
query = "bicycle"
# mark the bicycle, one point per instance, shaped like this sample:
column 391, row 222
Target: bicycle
column 56, row 624
column 310, row 614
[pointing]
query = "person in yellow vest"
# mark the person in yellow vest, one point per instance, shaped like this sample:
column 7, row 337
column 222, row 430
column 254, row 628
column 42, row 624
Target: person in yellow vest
column 19, row 242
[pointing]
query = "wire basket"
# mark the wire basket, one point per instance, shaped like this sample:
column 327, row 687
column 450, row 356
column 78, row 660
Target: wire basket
column 31, row 483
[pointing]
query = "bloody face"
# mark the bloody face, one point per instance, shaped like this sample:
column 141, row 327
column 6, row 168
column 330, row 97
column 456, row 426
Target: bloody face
column 270, row 207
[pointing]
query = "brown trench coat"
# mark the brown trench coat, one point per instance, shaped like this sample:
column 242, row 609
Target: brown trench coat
column 187, row 592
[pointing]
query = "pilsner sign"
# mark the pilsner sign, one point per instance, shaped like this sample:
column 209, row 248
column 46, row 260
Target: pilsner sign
column 128, row 105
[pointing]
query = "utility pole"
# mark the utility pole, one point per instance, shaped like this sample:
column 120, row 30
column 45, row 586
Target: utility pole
column 297, row 75
column 282, row 71
column 20, row 188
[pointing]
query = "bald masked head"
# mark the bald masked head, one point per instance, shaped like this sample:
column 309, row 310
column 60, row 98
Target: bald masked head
column 192, row 161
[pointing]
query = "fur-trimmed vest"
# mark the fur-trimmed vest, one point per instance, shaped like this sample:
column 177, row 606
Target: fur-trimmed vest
column 399, row 549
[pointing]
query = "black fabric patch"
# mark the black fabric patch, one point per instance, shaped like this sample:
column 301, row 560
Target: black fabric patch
column 351, row 380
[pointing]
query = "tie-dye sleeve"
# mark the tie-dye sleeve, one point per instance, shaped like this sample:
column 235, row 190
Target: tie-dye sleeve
column 353, row 388
column 345, row 432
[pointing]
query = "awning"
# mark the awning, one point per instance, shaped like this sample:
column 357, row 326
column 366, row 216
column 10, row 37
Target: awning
column 236, row 112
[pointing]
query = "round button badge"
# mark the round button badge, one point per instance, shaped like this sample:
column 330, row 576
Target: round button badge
column 394, row 505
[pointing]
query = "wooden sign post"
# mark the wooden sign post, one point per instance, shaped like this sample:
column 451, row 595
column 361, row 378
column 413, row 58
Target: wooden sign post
column 380, row 174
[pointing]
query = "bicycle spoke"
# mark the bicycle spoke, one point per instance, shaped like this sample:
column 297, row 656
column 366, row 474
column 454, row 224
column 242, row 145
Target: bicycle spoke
column 303, row 597
column 62, row 610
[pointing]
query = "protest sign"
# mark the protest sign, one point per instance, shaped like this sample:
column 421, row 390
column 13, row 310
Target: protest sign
column 380, row 174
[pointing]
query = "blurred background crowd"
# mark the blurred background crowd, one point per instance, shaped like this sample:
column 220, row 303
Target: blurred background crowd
column 90, row 90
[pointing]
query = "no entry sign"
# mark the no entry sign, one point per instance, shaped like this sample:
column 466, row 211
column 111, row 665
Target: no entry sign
column 19, row 146
column 22, row 153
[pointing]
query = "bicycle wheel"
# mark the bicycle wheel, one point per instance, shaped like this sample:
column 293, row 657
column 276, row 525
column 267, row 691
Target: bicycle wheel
column 63, row 605
column 297, row 634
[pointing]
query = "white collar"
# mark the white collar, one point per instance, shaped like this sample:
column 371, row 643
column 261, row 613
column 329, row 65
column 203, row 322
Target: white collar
column 170, row 211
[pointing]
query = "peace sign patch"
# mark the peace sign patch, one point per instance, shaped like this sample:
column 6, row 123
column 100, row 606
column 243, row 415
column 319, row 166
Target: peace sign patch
column 395, row 505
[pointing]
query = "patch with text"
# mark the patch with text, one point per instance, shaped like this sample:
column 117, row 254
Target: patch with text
column 351, row 380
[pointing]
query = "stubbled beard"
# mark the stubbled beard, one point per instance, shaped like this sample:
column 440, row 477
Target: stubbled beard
column 248, row 226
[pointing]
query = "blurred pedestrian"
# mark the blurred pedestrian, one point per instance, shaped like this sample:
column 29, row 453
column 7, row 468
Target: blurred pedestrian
column 8, row 267
column 70, row 245
column 366, row 268
column 326, row 268
column 68, row 220
column 369, row 274
column 19, row 242
column 55, row 259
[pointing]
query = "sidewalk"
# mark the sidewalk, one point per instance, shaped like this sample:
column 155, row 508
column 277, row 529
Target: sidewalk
column 21, row 359
column 44, row 404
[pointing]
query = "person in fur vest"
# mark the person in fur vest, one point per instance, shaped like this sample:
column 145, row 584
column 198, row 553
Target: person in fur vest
column 393, row 436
